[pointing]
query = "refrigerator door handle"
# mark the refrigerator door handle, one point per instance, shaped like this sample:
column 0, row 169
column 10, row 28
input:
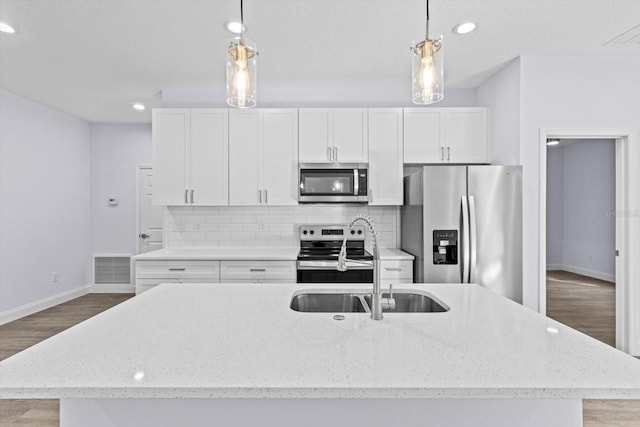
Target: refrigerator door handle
column 473, row 236
column 465, row 239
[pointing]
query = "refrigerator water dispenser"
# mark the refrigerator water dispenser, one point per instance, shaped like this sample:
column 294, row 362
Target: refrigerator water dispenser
column 445, row 246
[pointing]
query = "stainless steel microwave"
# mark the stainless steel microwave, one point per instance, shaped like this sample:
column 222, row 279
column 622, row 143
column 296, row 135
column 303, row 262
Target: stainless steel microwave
column 333, row 183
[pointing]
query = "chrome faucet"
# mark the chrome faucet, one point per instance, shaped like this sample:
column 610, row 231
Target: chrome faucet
column 377, row 302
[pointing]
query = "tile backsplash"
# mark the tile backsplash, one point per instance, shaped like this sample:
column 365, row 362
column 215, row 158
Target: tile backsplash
column 262, row 226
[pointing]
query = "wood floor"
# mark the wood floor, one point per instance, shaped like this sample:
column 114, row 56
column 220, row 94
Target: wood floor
column 23, row 333
column 588, row 305
column 582, row 303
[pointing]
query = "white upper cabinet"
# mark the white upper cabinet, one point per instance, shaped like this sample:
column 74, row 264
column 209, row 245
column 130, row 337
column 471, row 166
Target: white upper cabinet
column 263, row 157
column 190, row 157
column 337, row 135
column 385, row 156
column 446, row 135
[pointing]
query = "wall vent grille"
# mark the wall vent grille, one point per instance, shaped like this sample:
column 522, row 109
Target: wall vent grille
column 111, row 270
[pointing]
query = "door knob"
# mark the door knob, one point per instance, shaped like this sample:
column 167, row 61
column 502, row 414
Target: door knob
column 144, row 236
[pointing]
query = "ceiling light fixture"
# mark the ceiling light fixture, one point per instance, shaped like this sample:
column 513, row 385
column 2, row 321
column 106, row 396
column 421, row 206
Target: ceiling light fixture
column 138, row 106
column 241, row 69
column 427, row 69
column 233, row 27
column 464, row 28
column 6, row 28
column 551, row 142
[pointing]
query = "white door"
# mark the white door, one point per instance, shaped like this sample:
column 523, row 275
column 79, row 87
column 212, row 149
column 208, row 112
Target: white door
column 385, row 156
column 245, row 130
column 350, row 140
column 422, row 136
column 316, row 135
column 150, row 216
column 209, row 157
column 466, row 137
column 280, row 157
column 170, row 156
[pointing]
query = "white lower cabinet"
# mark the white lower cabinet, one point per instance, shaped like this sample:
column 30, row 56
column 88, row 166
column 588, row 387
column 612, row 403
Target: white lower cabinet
column 150, row 273
column 395, row 272
column 258, row 271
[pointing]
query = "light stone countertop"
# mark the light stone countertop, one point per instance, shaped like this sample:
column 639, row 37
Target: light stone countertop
column 243, row 341
column 246, row 254
column 222, row 254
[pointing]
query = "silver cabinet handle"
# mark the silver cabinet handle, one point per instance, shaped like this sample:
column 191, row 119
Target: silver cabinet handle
column 393, row 269
column 329, row 153
column 186, row 197
column 259, row 196
column 178, row 269
column 257, row 269
column 442, row 154
column 266, row 198
column 448, row 153
column 335, row 154
column 192, row 191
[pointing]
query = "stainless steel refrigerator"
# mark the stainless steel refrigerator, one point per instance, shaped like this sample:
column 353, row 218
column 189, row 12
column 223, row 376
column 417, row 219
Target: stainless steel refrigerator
column 463, row 224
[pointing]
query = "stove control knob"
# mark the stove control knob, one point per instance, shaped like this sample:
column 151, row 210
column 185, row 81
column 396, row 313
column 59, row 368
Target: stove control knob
column 359, row 231
column 353, row 231
column 311, row 232
column 304, row 232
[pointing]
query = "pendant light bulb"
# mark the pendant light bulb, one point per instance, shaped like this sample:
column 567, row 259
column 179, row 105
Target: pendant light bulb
column 241, row 70
column 427, row 69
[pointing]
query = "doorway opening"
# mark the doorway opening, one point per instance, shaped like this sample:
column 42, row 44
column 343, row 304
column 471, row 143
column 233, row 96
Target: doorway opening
column 581, row 238
column 625, row 248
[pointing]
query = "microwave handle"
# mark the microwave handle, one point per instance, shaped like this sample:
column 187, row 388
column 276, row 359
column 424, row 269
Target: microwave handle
column 356, row 183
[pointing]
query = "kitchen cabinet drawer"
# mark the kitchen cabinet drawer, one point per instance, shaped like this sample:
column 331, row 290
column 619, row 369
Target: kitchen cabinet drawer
column 257, row 271
column 401, row 269
column 177, row 269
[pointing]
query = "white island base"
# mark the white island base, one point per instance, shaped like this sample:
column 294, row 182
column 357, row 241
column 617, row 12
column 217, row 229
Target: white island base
column 321, row 412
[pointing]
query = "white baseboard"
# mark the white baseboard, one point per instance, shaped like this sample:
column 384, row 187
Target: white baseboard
column 584, row 272
column 118, row 288
column 42, row 304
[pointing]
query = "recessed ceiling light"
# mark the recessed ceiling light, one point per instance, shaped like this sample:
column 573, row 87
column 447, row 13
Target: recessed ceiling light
column 6, row 28
column 138, row 106
column 553, row 141
column 234, row 27
column 464, row 28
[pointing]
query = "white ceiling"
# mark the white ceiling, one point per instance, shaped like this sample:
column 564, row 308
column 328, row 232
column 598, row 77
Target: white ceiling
column 94, row 58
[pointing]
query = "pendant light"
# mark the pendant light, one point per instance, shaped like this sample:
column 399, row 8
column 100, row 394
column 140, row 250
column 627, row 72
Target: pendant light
column 427, row 68
column 241, row 69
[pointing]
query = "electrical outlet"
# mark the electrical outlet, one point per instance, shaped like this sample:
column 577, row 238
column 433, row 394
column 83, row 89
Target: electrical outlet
column 54, row 277
column 262, row 226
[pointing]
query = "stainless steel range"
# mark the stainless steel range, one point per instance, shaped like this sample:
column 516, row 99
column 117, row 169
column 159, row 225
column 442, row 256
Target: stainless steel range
column 318, row 256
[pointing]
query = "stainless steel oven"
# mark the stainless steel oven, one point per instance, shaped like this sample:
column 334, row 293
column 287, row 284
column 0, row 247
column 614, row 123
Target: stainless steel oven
column 333, row 183
column 318, row 256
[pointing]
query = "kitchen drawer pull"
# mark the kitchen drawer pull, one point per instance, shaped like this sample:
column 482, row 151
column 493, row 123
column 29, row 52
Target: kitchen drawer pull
column 257, row 269
column 177, row 269
column 393, row 268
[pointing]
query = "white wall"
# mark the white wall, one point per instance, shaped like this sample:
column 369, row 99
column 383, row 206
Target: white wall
column 501, row 93
column 580, row 207
column 570, row 93
column 44, row 202
column 115, row 152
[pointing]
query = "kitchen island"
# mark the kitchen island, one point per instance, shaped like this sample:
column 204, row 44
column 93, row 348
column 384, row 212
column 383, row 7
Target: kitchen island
column 236, row 354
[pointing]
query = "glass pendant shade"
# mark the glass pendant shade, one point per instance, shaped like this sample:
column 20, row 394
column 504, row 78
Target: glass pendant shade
column 427, row 65
column 241, row 73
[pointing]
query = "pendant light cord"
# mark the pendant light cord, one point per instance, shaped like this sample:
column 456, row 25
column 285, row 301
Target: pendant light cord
column 427, row 24
column 241, row 20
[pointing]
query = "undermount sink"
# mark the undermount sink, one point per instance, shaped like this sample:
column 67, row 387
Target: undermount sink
column 407, row 301
column 327, row 303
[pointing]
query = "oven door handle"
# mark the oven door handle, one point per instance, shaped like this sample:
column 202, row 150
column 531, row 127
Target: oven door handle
column 333, row 265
